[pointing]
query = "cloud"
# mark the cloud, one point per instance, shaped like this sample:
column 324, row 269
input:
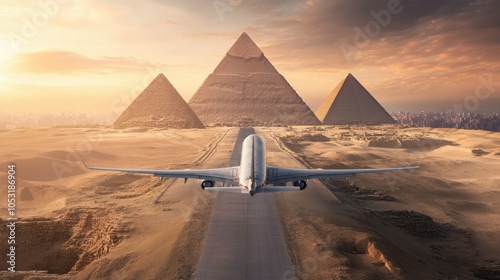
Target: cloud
column 169, row 22
column 65, row 62
column 230, row 12
column 408, row 12
column 430, row 50
column 313, row 35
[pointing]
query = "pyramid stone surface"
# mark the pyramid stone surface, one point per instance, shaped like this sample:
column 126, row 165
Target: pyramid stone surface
column 351, row 103
column 245, row 89
column 159, row 106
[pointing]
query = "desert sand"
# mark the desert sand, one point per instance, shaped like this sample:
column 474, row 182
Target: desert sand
column 102, row 224
column 441, row 221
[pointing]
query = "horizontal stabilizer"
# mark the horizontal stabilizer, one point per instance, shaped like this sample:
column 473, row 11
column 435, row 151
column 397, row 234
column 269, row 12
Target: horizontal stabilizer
column 272, row 189
column 227, row 189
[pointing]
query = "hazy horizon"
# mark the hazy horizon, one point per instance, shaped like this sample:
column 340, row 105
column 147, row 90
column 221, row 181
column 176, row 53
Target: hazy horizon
column 96, row 56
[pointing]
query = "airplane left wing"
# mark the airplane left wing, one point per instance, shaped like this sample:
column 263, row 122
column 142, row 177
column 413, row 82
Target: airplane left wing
column 282, row 175
column 224, row 175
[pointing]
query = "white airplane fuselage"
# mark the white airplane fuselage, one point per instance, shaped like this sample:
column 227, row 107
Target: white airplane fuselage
column 252, row 173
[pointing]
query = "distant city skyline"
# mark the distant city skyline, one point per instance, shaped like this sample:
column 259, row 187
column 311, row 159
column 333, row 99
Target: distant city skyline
column 475, row 121
column 96, row 56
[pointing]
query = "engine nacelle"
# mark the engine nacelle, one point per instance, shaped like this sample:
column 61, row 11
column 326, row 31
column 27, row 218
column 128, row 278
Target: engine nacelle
column 207, row 184
column 301, row 184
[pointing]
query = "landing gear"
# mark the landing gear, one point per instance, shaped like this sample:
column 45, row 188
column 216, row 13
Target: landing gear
column 207, row 184
column 301, row 184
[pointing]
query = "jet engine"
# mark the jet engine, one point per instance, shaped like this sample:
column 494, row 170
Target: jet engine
column 207, row 184
column 301, row 184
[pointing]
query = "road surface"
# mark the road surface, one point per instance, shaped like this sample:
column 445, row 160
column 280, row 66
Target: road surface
column 245, row 237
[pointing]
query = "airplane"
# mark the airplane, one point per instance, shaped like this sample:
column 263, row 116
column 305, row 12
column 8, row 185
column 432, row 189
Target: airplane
column 253, row 175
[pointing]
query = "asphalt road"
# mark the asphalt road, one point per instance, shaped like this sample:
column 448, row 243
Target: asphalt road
column 245, row 237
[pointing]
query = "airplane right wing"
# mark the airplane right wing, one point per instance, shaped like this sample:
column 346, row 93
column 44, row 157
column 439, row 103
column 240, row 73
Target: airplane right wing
column 277, row 175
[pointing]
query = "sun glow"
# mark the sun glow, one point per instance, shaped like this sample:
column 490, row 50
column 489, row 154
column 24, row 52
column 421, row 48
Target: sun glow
column 3, row 79
column 7, row 53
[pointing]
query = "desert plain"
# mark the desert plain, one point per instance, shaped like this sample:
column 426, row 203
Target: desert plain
column 441, row 221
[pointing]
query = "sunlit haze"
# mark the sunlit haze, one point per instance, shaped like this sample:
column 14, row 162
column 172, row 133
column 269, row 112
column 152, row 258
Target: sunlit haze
column 96, row 56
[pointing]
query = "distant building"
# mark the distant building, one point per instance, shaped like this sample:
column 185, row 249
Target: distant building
column 351, row 103
column 469, row 120
column 159, row 106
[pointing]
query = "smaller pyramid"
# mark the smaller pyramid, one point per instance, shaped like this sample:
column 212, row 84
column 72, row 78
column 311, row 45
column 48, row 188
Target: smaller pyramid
column 159, row 106
column 351, row 103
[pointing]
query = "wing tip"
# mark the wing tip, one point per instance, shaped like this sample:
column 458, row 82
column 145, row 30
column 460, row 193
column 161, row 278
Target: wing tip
column 87, row 166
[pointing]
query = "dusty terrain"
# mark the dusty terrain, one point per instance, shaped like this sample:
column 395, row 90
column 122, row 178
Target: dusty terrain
column 439, row 222
column 85, row 224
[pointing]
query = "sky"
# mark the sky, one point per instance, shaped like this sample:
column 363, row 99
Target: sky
column 96, row 56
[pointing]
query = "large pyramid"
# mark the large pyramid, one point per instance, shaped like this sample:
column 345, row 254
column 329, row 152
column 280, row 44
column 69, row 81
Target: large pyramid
column 159, row 105
column 351, row 103
column 245, row 89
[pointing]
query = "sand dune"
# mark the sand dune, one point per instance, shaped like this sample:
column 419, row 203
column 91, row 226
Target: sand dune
column 82, row 216
column 438, row 222
column 453, row 195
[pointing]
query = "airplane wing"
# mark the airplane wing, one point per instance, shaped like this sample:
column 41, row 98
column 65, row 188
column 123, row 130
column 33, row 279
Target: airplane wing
column 223, row 175
column 282, row 175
